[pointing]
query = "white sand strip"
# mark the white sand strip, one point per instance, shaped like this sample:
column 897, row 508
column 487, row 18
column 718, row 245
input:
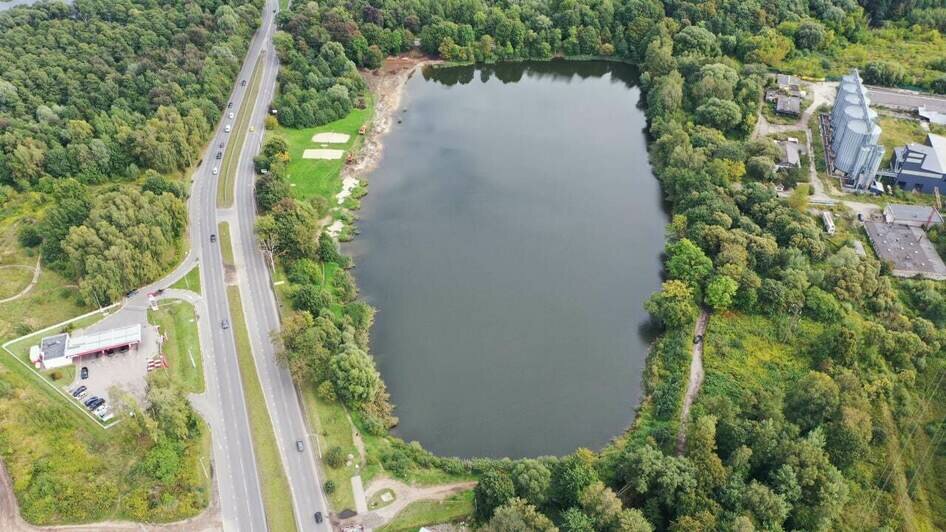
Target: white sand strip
column 334, row 229
column 322, row 154
column 331, row 138
column 348, row 184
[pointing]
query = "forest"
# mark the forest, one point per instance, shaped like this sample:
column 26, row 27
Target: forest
column 824, row 367
column 98, row 94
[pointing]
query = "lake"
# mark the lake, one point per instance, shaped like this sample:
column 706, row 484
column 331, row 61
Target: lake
column 510, row 237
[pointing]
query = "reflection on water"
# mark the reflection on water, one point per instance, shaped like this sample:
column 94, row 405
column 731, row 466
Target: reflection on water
column 511, row 234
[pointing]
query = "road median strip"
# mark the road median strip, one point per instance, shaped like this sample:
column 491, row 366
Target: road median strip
column 231, row 155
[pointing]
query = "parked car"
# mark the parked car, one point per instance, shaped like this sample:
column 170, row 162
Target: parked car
column 101, row 410
column 131, row 292
column 97, row 404
column 299, row 446
column 83, row 395
column 213, row 238
column 108, row 416
column 225, row 324
column 318, row 517
column 91, row 400
column 77, row 391
column 84, row 373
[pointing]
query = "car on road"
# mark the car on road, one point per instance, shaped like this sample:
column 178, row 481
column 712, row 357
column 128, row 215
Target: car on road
column 243, row 83
column 216, row 170
column 84, row 373
column 222, row 144
column 299, row 446
column 231, row 115
column 91, row 400
column 131, row 292
column 229, row 105
column 219, row 155
column 227, row 129
column 225, row 324
column 698, row 338
column 213, row 238
column 318, row 517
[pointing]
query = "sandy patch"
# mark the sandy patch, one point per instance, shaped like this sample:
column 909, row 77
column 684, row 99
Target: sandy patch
column 330, row 138
column 334, row 229
column 323, row 154
column 348, row 184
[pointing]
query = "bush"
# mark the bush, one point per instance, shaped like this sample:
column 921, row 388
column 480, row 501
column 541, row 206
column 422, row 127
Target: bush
column 329, row 487
column 326, row 392
column 335, row 457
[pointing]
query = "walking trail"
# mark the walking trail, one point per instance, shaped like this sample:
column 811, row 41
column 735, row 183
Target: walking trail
column 404, row 495
column 36, row 271
column 696, row 379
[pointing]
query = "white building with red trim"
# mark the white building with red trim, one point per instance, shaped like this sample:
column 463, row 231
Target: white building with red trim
column 62, row 349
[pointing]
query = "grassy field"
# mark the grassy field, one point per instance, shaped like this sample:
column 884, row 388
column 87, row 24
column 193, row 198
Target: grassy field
column 330, row 423
column 273, row 482
column 178, row 321
column 315, row 177
column 191, row 281
column 231, row 156
column 13, row 279
column 459, row 507
column 226, row 248
column 898, row 132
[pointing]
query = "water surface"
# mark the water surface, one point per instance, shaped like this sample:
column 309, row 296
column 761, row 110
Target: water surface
column 509, row 239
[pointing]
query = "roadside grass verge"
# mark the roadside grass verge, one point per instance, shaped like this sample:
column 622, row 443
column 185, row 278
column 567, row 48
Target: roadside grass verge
column 191, row 281
column 226, row 249
column 177, row 320
column 320, row 177
column 330, row 423
column 231, row 155
column 453, row 509
column 273, row 483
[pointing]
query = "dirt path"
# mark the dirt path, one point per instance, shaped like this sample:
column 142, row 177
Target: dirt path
column 696, row 379
column 404, row 495
column 10, row 520
column 36, row 271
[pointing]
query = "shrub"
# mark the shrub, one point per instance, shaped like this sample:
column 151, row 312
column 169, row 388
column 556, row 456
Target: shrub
column 329, row 487
column 326, row 392
column 335, row 457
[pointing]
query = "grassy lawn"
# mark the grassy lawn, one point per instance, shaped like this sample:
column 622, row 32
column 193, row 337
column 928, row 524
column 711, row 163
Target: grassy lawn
column 14, row 279
column 314, row 177
column 273, row 482
column 453, row 509
column 231, row 156
column 226, row 249
column 191, row 281
column 898, row 132
column 330, row 423
column 178, row 322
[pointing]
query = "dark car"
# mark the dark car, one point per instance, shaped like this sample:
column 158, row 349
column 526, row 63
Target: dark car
column 98, row 402
column 220, row 155
column 243, row 83
column 221, row 144
column 299, row 446
column 78, row 391
column 225, row 324
column 91, row 400
column 698, row 338
column 229, row 105
column 84, row 373
column 213, row 238
column 131, row 292
column 318, row 517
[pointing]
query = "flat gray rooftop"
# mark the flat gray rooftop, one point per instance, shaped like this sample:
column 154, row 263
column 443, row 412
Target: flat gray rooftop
column 54, row 346
column 907, row 248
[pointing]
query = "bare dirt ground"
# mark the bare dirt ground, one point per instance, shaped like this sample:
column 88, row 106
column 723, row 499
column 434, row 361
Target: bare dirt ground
column 404, row 495
column 696, row 380
column 10, row 520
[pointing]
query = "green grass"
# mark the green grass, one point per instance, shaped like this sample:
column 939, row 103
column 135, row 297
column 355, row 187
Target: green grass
column 898, row 132
column 273, row 483
column 177, row 320
column 453, row 509
column 14, row 279
column 191, row 281
column 226, row 248
column 330, row 423
column 231, row 157
column 315, row 177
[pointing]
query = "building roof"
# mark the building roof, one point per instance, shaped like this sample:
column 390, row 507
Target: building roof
column 907, row 248
column 54, row 346
column 100, row 341
column 788, row 104
column 787, row 80
column 934, row 117
column 912, row 213
column 790, row 153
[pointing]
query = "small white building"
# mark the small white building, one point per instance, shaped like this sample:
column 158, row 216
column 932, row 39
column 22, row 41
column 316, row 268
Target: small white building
column 828, row 220
column 61, row 349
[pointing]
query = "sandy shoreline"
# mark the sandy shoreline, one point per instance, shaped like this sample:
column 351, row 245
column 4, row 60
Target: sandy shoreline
column 387, row 83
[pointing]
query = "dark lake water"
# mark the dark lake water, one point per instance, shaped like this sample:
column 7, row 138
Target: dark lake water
column 510, row 237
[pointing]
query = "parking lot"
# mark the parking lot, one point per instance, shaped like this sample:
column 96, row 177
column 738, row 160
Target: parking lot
column 125, row 370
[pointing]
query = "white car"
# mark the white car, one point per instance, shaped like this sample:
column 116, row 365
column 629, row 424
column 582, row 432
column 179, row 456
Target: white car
column 231, row 115
column 101, row 411
column 216, row 170
column 227, row 129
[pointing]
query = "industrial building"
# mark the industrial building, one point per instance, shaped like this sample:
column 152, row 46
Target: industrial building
column 853, row 134
column 62, row 349
column 916, row 215
column 921, row 167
